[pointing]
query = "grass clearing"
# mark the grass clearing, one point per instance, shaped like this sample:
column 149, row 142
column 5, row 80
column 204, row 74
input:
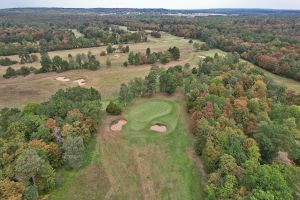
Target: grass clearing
column 137, row 163
column 82, row 183
column 143, row 164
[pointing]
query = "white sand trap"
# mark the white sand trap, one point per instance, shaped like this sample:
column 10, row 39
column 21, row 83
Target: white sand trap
column 118, row 126
column 63, row 79
column 80, row 82
column 159, row 128
column 117, row 55
column 202, row 57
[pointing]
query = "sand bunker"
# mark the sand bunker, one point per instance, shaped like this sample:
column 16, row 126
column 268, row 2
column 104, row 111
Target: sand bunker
column 63, row 79
column 202, row 57
column 117, row 55
column 119, row 125
column 80, row 82
column 159, row 128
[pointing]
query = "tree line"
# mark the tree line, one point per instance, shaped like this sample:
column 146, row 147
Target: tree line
column 173, row 53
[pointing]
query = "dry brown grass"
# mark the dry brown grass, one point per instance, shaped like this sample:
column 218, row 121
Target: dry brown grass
column 16, row 92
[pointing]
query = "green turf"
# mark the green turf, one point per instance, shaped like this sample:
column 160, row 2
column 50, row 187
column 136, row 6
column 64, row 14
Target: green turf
column 167, row 169
column 82, row 183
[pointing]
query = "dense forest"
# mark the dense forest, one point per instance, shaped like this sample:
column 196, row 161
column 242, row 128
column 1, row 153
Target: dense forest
column 40, row 138
column 247, row 131
column 271, row 42
column 39, row 38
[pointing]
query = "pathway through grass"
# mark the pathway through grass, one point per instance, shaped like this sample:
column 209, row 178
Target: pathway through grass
column 138, row 163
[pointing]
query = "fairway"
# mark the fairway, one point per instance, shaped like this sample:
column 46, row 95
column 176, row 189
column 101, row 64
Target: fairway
column 39, row 87
column 138, row 163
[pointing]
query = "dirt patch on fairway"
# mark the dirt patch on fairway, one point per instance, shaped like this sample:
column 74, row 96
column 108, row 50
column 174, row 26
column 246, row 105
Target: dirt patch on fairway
column 62, row 78
column 199, row 165
column 119, row 125
column 144, row 171
column 161, row 128
column 81, row 82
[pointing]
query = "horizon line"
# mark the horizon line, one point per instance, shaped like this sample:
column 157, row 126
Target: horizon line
column 241, row 8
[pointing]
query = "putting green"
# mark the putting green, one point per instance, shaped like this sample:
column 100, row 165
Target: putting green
column 141, row 115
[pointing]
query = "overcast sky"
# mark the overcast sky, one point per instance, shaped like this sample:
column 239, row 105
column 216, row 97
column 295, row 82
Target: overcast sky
column 172, row 4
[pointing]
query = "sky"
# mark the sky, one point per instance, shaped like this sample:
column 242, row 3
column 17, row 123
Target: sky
column 171, row 4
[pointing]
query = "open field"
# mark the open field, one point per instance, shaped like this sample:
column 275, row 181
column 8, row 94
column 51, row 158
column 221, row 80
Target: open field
column 39, row 87
column 36, row 88
column 138, row 163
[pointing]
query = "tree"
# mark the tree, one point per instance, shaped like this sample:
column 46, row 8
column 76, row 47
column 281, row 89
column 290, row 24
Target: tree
column 57, row 64
column 113, row 109
column 175, row 53
column 274, row 137
column 168, row 83
column 11, row 190
column 24, row 56
column 46, row 63
column 24, row 71
column 43, row 47
column 267, row 181
column 165, row 57
column 125, row 64
column 73, row 148
column 150, row 82
column 10, row 72
column 31, row 193
column 148, row 52
column 102, row 53
column 125, row 95
column 131, row 58
column 29, row 165
column 109, row 49
column 152, row 58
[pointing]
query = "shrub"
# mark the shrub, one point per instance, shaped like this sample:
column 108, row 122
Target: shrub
column 7, row 62
column 113, row 109
column 155, row 34
column 103, row 53
column 31, row 193
column 73, row 148
column 10, row 72
column 125, row 64
column 24, row 71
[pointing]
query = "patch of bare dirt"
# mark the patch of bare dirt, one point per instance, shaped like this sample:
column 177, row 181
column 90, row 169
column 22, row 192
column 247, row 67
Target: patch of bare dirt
column 62, row 79
column 159, row 128
column 119, row 125
column 199, row 165
column 105, row 128
column 144, row 171
column 80, row 82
